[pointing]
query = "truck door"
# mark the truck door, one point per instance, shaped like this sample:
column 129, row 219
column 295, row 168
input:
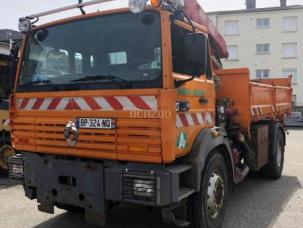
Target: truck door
column 196, row 98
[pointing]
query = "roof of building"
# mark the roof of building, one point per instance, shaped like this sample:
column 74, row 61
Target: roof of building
column 7, row 34
column 257, row 10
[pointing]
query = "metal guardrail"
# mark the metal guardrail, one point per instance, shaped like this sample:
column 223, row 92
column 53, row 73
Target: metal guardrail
column 291, row 122
column 294, row 120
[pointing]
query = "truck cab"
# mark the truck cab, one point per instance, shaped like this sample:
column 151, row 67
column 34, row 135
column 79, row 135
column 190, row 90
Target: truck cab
column 114, row 73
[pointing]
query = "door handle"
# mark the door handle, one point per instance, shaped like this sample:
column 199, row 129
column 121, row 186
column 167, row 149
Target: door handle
column 203, row 101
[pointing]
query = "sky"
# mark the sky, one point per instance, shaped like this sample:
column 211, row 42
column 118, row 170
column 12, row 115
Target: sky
column 12, row 10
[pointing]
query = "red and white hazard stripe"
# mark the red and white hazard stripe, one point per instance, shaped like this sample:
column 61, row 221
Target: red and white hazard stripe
column 194, row 119
column 105, row 103
column 282, row 107
column 257, row 110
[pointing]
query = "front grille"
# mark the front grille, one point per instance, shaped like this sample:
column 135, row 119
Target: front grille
column 140, row 187
column 16, row 173
column 132, row 140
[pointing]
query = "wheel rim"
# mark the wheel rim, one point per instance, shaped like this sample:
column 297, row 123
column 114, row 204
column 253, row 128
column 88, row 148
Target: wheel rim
column 5, row 153
column 279, row 156
column 215, row 195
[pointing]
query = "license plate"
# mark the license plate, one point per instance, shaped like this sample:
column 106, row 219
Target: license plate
column 95, row 123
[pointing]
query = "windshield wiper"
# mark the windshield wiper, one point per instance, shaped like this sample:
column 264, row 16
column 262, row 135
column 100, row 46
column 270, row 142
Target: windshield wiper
column 42, row 82
column 109, row 77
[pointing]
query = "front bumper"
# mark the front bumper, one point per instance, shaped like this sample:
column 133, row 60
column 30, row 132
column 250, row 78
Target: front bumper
column 89, row 184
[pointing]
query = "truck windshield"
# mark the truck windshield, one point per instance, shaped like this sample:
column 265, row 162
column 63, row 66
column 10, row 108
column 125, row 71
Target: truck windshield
column 120, row 51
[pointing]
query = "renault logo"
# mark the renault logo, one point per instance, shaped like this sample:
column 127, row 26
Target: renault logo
column 71, row 133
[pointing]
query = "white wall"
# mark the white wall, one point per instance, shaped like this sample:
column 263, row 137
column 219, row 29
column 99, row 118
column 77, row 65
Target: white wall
column 250, row 35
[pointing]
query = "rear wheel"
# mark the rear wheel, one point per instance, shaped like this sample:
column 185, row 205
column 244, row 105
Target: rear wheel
column 274, row 168
column 207, row 207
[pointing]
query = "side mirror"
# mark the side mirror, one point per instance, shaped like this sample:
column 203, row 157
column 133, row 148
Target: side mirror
column 196, row 53
column 12, row 68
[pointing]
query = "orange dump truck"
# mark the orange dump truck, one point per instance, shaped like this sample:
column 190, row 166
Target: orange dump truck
column 126, row 107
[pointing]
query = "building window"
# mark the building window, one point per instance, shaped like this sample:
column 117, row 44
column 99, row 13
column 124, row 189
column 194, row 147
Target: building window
column 293, row 72
column 289, row 50
column 290, row 24
column 294, row 100
column 178, row 35
column 78, row 63
column 92, row 61
column 263, row 48
column 233, row 52
column 231, row 28
column 263, row 22
column 262, row 73
column 117, row 58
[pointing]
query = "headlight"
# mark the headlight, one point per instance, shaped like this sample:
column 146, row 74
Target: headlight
column 140, row 187
column 137, row 6
column 156, row 3
column 25, row 25
column 143, row 188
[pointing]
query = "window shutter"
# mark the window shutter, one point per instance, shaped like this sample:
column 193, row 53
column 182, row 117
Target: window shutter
column 293, row 72
column 233, row 52
column 290, row 24
column 289, row 50
column 232, row 27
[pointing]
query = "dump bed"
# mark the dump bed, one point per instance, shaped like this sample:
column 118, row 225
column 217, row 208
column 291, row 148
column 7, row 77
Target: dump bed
column 255, row 100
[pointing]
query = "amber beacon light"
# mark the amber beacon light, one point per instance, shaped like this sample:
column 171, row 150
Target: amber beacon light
column 156, row 3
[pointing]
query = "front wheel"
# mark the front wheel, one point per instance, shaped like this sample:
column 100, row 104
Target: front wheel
column 207, row 207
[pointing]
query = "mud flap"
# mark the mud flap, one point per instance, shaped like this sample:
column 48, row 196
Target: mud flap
column 67, row 182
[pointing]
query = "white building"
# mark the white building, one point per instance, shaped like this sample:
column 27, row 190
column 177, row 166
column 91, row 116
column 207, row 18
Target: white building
column 269, row 41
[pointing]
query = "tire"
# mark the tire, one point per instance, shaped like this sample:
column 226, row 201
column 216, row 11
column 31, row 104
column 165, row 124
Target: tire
column 5, row 152
column 274, row 168
column 200, row 212
column 3, row 173
column 69, row 208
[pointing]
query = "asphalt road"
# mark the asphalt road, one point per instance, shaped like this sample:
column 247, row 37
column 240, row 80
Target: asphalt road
column 254, row 203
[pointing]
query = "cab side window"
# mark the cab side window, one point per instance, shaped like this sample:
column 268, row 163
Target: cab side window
column 178, row 49
column 178, row 52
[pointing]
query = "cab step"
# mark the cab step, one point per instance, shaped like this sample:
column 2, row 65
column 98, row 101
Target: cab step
column 182, row 187
column 185, row 193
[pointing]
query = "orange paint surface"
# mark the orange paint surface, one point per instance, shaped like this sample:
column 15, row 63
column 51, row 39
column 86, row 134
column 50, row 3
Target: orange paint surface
column 255, row 100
